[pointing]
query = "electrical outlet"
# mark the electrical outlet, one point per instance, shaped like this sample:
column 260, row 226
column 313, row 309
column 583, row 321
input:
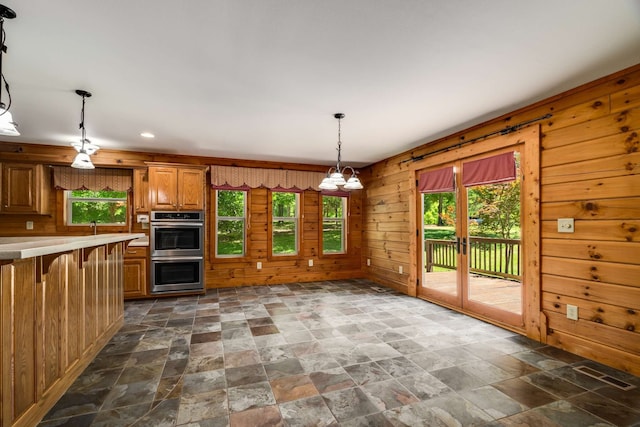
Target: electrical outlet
column 29, row 225
column 368, row 262
column 310, row 263
column 400, row 269
column 259, row 265
column 572, row 312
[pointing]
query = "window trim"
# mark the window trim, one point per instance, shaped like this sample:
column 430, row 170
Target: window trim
column 69, row 199
column 299, row 217
column 345, row 225
column 61, row 220
column 245, row 219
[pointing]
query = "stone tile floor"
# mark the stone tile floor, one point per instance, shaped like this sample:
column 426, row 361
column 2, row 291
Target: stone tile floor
column 331, row 354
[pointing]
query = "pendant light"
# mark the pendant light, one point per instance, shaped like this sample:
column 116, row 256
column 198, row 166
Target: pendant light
column 335, row 176
column 7, row 125
column 84, row 148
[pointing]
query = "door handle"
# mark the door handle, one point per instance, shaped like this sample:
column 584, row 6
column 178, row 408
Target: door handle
column 464, row 246
column 458, row 245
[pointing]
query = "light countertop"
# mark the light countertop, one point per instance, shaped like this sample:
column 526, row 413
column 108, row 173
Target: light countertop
column 27, row 246
column 142, row 241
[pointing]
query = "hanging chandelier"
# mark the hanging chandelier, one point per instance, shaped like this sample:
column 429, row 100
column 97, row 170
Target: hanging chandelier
column 336, row 175
column 84, row 147
column 7, row 125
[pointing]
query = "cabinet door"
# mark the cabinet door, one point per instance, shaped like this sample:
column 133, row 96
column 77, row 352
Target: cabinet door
column 163, row 188
column 190, row 189
column 135, row 277
column 140, row 190
column 19, row 194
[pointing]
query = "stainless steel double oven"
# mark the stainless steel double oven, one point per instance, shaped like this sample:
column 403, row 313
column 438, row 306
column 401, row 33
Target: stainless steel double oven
column 177, row 251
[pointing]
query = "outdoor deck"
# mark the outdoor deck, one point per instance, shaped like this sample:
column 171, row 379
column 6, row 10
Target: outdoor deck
column 499, row 293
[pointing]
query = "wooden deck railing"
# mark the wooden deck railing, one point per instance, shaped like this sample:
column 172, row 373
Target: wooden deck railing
column 489, row 256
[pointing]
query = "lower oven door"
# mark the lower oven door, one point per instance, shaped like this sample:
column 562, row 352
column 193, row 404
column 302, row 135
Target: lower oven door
column 176, row 274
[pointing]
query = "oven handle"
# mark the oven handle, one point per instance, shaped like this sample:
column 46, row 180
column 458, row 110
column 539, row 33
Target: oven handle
column 176, row 258
column 177, row 224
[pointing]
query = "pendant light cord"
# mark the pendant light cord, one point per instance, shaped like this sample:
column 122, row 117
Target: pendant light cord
column 339, row 169
column 3, row 50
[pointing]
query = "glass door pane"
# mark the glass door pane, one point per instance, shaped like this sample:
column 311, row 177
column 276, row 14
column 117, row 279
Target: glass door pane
column 440, row 258
column 492, row 250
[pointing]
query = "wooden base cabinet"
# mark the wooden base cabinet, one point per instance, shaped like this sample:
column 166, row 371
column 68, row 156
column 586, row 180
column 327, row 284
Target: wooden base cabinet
column 136, row 267
column 57, row 312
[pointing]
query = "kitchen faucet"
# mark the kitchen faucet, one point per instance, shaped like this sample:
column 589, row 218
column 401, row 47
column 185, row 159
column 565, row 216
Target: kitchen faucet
column 93, row 225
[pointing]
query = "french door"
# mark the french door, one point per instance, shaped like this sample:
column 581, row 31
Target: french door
column 470, row 257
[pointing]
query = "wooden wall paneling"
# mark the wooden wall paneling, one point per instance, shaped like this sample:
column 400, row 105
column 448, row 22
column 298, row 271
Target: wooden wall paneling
column 621, row 339
column 597, row 128
column 621, row 165
column 607, row 230
column 598, row 271
column 600, row 209
column 595, row 350
column 625, row 99
column 596, row 292
column 582, row 112
column 618, row 252
column 613, row 187
column 612, row 315
column 591, row 150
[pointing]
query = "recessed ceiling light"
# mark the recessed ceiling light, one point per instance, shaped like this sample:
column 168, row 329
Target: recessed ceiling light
column 147, row 135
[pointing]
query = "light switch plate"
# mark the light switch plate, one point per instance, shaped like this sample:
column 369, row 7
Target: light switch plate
column 572, row 312
column 259, row 265
column 310, row 263
column 565, row 225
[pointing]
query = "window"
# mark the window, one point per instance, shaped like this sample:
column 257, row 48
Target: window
column 284, row 227
column 333, row 224
column 231, row 214
column 103, row 207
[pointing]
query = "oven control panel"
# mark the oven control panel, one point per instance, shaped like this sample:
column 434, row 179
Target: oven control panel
column 177, row 216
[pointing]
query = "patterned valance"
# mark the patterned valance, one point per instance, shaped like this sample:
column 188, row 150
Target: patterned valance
column 68, row 178
column 226, row 177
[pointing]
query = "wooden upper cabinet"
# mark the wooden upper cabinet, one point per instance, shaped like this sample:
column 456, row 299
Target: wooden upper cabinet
column 140, row 190
column 191, row 189
column 176, row 187
column 25, row 189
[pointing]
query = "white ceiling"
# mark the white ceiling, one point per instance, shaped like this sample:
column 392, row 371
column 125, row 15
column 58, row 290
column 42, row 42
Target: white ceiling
column 261, row 79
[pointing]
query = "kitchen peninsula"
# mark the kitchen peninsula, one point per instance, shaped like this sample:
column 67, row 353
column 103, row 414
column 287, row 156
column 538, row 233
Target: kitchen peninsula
column 61, row 300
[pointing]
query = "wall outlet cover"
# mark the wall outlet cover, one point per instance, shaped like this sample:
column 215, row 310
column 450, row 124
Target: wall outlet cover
column 572, row 312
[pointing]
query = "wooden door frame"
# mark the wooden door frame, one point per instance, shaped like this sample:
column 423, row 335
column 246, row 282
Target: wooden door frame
column 529, row 140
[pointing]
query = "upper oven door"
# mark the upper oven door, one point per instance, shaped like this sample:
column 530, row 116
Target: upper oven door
column 177, row 239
